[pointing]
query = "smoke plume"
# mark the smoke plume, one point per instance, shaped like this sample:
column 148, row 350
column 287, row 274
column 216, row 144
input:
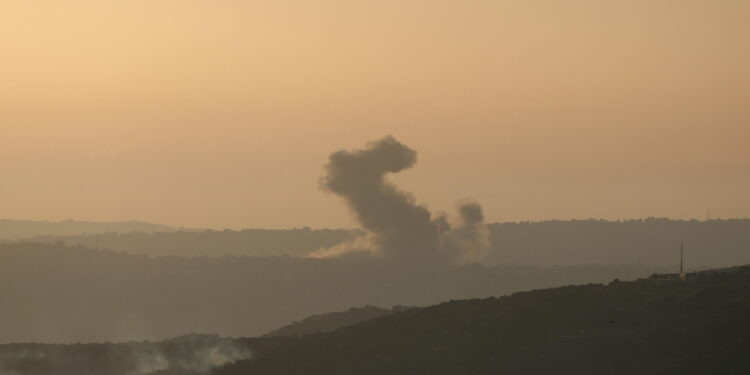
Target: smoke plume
column 397, row 227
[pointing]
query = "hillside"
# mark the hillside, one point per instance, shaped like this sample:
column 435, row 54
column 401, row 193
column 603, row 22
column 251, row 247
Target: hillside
column 652, row 326
column 53, row 293
column 653, row 241
column 658, row 325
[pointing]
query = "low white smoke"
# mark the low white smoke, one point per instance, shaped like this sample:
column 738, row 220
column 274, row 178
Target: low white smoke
column 24, row 354
column 186, row 355
column 198, row 360
column 362, row 245
column 147, row 363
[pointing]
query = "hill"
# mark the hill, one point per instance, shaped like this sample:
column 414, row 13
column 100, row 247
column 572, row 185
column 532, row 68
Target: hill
column 658, row 325
column 655, row 326
column 18, row 229
column 55, row 293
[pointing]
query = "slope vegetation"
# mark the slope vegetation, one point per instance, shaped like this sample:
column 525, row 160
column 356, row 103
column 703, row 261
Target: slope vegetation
column 654, row 326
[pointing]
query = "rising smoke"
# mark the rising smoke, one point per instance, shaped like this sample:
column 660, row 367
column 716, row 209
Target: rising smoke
column 398, row 228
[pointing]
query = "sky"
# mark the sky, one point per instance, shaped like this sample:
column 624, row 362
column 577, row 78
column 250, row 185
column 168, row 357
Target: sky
column 222, row 113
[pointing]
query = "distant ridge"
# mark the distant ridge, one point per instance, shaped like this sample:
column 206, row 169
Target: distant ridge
column 18, row 229
column 709, row 243
column 651, row 241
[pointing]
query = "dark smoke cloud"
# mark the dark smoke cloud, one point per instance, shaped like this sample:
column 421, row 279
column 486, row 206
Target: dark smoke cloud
column 397, row 227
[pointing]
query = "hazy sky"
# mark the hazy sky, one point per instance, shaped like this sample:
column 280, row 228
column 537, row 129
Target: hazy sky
column 222, row 113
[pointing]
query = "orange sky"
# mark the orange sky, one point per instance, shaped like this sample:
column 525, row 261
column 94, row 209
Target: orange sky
column 221, row 113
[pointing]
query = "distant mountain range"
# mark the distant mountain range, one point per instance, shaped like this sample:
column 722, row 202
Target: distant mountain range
column 657, row 325
column 713, row 243
column 18, row 229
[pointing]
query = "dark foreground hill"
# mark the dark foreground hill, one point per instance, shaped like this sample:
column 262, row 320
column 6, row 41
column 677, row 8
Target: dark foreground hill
column 653, row 326
column 51, row 293
column 659, row 325
column 713, row 243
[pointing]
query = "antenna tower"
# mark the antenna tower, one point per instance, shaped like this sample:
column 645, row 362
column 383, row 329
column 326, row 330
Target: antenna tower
column 682, row 252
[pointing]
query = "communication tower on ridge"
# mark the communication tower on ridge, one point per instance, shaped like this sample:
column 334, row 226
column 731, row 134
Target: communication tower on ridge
column 682, row 258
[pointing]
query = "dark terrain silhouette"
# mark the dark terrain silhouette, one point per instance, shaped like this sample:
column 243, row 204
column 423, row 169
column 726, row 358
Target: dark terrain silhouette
column 651, row 326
